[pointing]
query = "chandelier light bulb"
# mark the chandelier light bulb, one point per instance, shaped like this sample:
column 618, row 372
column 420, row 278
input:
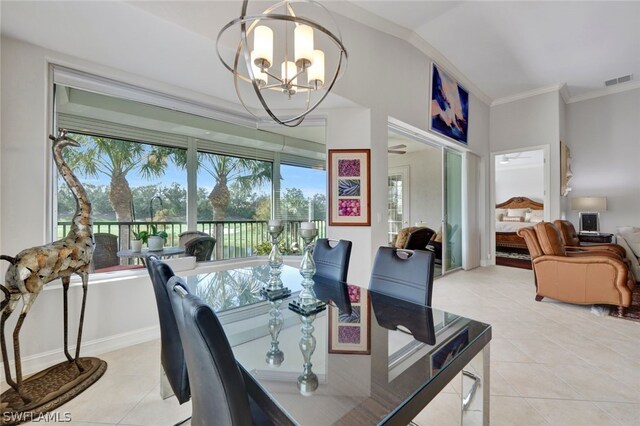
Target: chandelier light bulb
column 263, row 46
column 315, row 72
column 303, row 45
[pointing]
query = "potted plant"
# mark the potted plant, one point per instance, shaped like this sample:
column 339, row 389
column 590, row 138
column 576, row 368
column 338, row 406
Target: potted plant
column 155, row 240
column 136, row 241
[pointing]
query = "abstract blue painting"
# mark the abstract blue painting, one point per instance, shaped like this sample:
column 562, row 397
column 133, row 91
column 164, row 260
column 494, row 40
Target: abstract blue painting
column 449, row 106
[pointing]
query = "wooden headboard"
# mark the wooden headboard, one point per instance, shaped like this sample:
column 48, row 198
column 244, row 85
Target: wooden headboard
column 520, row 203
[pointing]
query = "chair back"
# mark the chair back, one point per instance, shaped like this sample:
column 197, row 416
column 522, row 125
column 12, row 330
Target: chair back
column 550, row 239
column 200, row 247
column 105, row 251
column 409, row 277
column 218, row 391
column 171, row 353
column 568, row 232
column 396, row 314
column 414, row 238
column 530, row 237
column 332, row 262
column 189, row 235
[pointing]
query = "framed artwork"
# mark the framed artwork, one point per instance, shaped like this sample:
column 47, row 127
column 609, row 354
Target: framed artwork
column 351, row 333
column 349, row 187
column 449, row 106
column 449, row 350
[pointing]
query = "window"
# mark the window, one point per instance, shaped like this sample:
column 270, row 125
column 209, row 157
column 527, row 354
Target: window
column 234, row 202
column 212, row 176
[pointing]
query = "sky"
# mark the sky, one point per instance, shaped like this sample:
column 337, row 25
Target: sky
column 310, row 181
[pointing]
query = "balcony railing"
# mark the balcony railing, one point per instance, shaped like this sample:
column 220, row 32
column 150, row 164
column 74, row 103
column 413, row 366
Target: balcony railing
column 235, row 239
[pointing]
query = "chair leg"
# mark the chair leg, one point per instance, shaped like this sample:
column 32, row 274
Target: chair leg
column 539, row 298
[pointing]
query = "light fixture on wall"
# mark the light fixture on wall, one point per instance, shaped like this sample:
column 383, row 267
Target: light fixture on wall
column 293, row 66
column 589, row 208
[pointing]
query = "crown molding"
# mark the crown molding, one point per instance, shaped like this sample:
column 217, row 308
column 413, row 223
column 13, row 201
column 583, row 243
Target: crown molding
column 564, row 92
column 618, row 88
column 530, row 93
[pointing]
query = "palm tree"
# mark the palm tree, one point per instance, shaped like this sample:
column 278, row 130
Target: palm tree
column 115, row 159
column 224, row 170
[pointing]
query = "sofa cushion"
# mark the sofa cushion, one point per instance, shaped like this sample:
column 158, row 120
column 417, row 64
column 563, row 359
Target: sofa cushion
column 633, row 240
column 622, row 230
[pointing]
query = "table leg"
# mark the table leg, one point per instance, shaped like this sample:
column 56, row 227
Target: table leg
column 476, row 390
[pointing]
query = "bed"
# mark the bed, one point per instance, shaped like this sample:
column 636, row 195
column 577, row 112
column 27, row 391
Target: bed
column 512, row 215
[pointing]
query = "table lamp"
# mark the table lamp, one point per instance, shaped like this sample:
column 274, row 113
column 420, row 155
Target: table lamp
column 589, row 208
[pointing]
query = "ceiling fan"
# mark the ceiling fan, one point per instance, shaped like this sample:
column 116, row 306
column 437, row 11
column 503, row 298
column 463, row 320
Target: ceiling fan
column 506, row 159
column 397, row 149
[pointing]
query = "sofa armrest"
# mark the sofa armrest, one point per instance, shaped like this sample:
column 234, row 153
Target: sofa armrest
column 631, row 258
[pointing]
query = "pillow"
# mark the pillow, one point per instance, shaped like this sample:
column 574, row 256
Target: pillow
column 437, row 237
column 513, row 219
column 627, row 230
column 500, row 213
column 517, row 212
column 534, row 216
column 633, row 240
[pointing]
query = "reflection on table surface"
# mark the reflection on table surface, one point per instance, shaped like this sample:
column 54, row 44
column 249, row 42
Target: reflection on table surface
column 413, row 350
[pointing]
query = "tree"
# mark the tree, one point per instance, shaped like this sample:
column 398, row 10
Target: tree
column 115, row 159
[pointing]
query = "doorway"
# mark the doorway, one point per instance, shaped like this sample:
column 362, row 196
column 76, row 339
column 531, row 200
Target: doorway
column 425, row 190
column 519, row 199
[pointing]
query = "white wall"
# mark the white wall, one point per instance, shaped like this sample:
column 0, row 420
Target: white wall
column 149, row 60
column 425, row 184
column 530, row 122
column 520, row 182
column 602, row 134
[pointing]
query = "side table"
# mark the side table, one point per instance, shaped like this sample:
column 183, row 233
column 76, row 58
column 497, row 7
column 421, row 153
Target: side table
column 601, row 238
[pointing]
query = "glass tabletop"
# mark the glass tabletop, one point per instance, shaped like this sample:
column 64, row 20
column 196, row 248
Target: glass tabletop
column 364, row 360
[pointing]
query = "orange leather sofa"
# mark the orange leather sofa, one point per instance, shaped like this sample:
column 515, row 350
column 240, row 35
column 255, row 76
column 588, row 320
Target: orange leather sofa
column 571, row 240
column 585, row 277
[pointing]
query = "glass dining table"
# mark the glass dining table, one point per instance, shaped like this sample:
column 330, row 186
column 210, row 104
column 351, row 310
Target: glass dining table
column 366, row 359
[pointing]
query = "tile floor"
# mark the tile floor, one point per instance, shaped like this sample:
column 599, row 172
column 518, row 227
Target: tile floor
column 551, row 363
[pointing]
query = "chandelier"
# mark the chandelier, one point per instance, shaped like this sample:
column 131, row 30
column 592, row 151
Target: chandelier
column 293, row 68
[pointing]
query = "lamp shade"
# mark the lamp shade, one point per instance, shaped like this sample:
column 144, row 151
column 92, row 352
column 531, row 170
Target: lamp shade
column 589, row 204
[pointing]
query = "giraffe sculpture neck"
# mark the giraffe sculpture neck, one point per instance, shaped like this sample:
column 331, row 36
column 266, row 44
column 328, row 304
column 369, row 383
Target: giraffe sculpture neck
column 82, row 220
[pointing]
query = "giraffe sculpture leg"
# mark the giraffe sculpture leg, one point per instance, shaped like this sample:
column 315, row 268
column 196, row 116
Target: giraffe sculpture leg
column 10, row 306
column 65, row 290
column 85, row 284
column 28, row 300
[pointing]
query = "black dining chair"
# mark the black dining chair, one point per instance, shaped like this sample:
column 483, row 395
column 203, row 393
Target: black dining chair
column 171, row 353
column 404, row 274
column 218, row 391
column 200, row 247
column 332, row 261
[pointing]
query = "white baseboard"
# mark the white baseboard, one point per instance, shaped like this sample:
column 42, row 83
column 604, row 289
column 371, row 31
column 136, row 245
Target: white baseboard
column 37, row 362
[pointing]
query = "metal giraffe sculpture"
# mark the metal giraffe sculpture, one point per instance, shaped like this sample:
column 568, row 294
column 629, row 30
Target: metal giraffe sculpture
column 32, row 268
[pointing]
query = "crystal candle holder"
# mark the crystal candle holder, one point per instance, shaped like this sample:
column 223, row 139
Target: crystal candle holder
column 275, row 288
column 307, row 303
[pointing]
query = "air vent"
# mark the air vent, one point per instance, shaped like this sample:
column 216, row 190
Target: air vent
column 618, row 80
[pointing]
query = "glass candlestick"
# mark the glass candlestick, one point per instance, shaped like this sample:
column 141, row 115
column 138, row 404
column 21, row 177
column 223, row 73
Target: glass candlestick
column 275, row 258
column 307, row 303
column 274, row 288
column 308, row 380
column 275, row 356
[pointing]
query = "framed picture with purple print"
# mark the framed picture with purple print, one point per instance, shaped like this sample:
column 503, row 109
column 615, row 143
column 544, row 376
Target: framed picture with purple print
column 351, row 333
column 350, row 187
